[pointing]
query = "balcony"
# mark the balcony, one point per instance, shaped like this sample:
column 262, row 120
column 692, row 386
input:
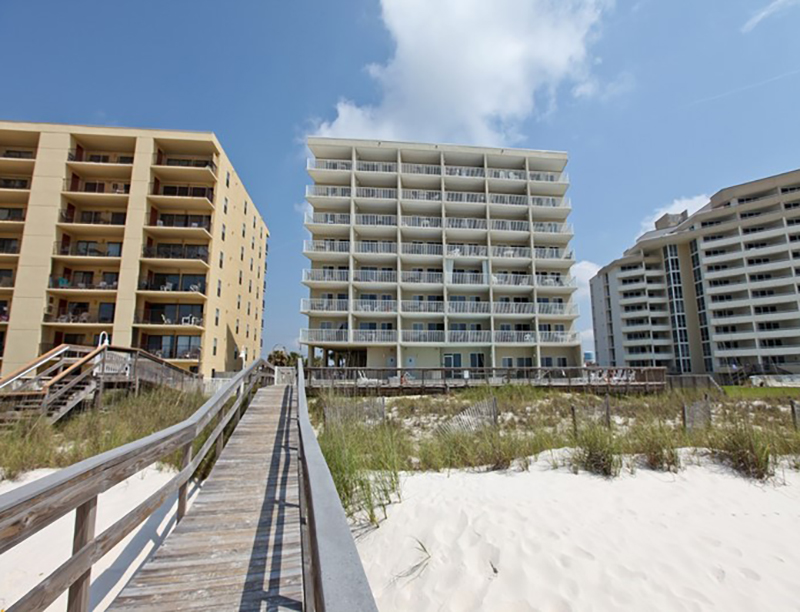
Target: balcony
column 512, row 280
column 377, row 336
column 553, row 253
column 180, row 226
column 421, row 222
column 81, row 282
column 371, row 166
column 548, row 177
column 507, row 174
column 9, row 248
column 182, row 351
column 376, row 193
column 81, row 317
column 324, row 305
column 85, row 248
column 109, row 188
column 467, row 250
column 430, row 278
column 376, row 248
column 421, row 307
column 374, row 276
column 328, row 191
column 80, row 156
column 515, row 337
column 558, row 282
column 552, row 228
column 465, row 172
column 558, row 338
column 557, row 310
column 174, row 283
column 422, row 195
column 469, row 337
column 336, row 165
column 15, row 182
column 377, row 220
column 465, row 197
column 159, row 318
column 508, row 199
column 459, row 307
column 375, row 306
column 17, row 153
column 10, row 216
column 465, row 223
column 514, row 308
column 314, row 336
column 6, row 282
column 188, row 253
column 432, row 250
column 328, row 219
column 467, row 278
column 326, row 276
column 423, row 169
column 418, row 336
column 179, row 167
column 513, row 252
column 92, row 217
column 182, row 196
column 326, row 246
column 505, row 225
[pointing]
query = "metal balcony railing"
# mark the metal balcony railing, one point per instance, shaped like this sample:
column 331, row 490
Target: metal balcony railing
column 374, row 276
column 417, row 335
column 508, row 225
column 465, row 197
column 559, row 337
column 514, row 280
column 386, row 248
column 374, row 335
column 176, row 251
column 466, row 223
column 515, row 337
column 190, row 221
column 324, row 335
column 550, row 308
column 59, row 282
column 429, row 169
column 508, row 199
column 150, row 317
column 6, row 281
column 421, row 249
column 17, row 153
column 511, row 252
column 469, row 336
column 112, row 187
column 467, row 250
column 80, row 316
column 377, row 220
column 423, row 222
column 507, row 173
column 327, row 218
column 418, row 306
column 326, row 246
column 371, row 166
column 88, row 249
column 548, row 177
column 550, row 202
column 12, row 214
column 552, row 253
column 464, row 171
column 555, row 281
column 513, row 308
column 328, row 191
column 182, row 191
column 101, row 157
column 324, row 305
column 458, row 307
column 467, row 278
column 410, row 276
column 424, row 195
column 383, row 306
column 92, row 217
column 184, row 161
column 329, row 164
column 376, row 193
column 188, row 285
column 326, row 275
column 14, row 182
column 552, row 228
column 186, row 353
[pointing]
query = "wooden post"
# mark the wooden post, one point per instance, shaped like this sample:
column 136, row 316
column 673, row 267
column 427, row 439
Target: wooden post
column 683, row 415
column 85, row 521
column 136, row 373
column 608, row 412
column 574, row 421
column 794, row 414
column 183, row 491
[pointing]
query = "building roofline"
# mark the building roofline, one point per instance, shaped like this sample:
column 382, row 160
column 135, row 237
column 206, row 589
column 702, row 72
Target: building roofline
column 103, row 127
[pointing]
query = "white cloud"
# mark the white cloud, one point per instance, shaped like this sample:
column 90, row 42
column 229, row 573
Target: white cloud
column 587, row 339
column 692, row 204
column 477, row 74
column 302, row 207
column 776, row 6
column 593, row 87
column 584, row 271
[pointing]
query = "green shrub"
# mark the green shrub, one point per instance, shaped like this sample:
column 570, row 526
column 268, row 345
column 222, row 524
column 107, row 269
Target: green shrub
column 597, row 450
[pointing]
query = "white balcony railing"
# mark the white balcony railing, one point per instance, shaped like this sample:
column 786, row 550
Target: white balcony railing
column 375, row 276
column 323, row 335
column 549, row 177
column 336, row 276
column 374, row 335
column 504, row 173
column 515, row 337
column 323, row 305
column 552, row 253
column 370, row 166
column 418, row 335
column 376, row 247
column 421, row 249
column 507, row 225
column 466, row 223
column 422, row 169
column 467, row 197
column 467, row 250
column 469, row 337
column 511, row 251
column 329, row 164
column 419, row 306
column 380, row 220
column 508, row 199
column 327, row 218
column 556, row 309
column 467, row 278
column 464, row 171
column 457, row 307
column 375, row 306
column 555, row 281
column 550, row 202
column 559, row 337
column 552, row 228
column 514, row 308
column 326, row 246
column 410, row 276
column 424, row 222
column 328, row 191
column 376, row 193
column 425, row 195
column 514, row 280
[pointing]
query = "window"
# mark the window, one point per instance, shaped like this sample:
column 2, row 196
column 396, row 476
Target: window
column 244, row 228
column 241, row 255
column 219, row 288
column 216, row 317
column 238, row 302
column 240, row 277
column 221, row 258
column 248, row 309
column 223, row 231
column 251, row 264
column 250, row 286
column 214, row 348
column 245, row 207
column 237, row 326
column 225, row 206
column 247, row 332
column 227, row 179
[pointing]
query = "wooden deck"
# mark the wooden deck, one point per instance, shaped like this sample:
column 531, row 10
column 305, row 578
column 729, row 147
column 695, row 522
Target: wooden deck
column 239, row 545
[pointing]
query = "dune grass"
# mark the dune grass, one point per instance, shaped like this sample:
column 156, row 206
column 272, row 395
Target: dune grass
column 35, row 443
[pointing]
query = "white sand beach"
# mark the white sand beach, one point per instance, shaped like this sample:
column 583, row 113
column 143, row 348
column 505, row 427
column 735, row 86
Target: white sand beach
column 27, row 564
column 549, row 540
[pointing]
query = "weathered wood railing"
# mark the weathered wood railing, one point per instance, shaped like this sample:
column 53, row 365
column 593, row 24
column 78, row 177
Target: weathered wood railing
column 30, row 508
column 334, row 579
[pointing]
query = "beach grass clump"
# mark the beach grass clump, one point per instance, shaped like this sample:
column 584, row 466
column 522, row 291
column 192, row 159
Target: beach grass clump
column 597, row 450
column 657, row 443
column 749, row 450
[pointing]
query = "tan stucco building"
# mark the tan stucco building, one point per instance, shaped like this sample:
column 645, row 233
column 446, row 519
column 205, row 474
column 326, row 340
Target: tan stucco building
column 148, row 236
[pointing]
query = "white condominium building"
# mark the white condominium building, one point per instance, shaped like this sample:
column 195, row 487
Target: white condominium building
column 716, row 291
column 425, row 255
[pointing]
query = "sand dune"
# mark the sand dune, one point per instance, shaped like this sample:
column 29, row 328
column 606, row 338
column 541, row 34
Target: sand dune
column 549, row 540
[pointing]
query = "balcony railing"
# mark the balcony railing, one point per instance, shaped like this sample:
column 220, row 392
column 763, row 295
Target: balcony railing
column 552, row 253
column 508, row 174
column 418, row 306
column 91, row 217
column 17, row 153
column 556, row 309
column 371, row 166
column 377, row 220
column 550, row 202
column 184, row 161
column 190, row 221
column 466, row 223
column 548, row 177
column 374, row 276
column 424, row 222
column 467, row 250
column 552, row 228
column 465, row 197
column 324, row 335
column 187, row 286
column 187, row 353
column 150, row 317
column 6, row 282
column 326, row 246
column 418, row 335
column 328, row 218
column 88, row 250
column 421, row 249
column 507, row 225
column 80, row 316
column 324, row 305
column 176, row 251
column 429, row 169
column 386, row 248
column 559, row 337
column 514, row 308
column 328, row 191
column 12, row 214
column 338, row 276
column 182, row 191
column 464, row 171
column 329, row 164
column 511, row 251
column 424, row 195
column 374, row 335
column 467, row 278
column 100, row 157
column 410, row 276
column 514, row 280
column 508, row 199
column 118, row 187
column 457, row 307
column 376, row 193
column 13, row 182
column 555, row 281
column 384, row 306
column 59, row 282
column 469, row 337
column 515, row 337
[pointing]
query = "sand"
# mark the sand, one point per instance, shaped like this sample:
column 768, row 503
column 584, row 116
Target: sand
column 550, row 540
column 28, row 563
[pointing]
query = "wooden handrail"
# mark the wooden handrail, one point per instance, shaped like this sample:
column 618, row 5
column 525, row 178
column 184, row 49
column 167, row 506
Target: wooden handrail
column 77, row 365
column 34, row 363
column 29, row 508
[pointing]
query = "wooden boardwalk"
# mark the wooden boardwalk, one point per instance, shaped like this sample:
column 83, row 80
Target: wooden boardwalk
column 239, row 545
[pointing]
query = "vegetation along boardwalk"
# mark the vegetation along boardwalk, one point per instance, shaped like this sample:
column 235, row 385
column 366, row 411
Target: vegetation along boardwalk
column 239, row 545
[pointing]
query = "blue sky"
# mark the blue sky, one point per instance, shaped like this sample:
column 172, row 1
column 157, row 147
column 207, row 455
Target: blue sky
column 659, row 102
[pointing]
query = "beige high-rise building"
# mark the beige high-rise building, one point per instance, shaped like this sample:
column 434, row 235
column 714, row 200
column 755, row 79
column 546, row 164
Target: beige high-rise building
column 146, row 236
column 716, row 291
column 426, row 255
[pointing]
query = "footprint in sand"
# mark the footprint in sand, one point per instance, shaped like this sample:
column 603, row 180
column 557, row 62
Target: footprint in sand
column 719, row 574
column 750, row 574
